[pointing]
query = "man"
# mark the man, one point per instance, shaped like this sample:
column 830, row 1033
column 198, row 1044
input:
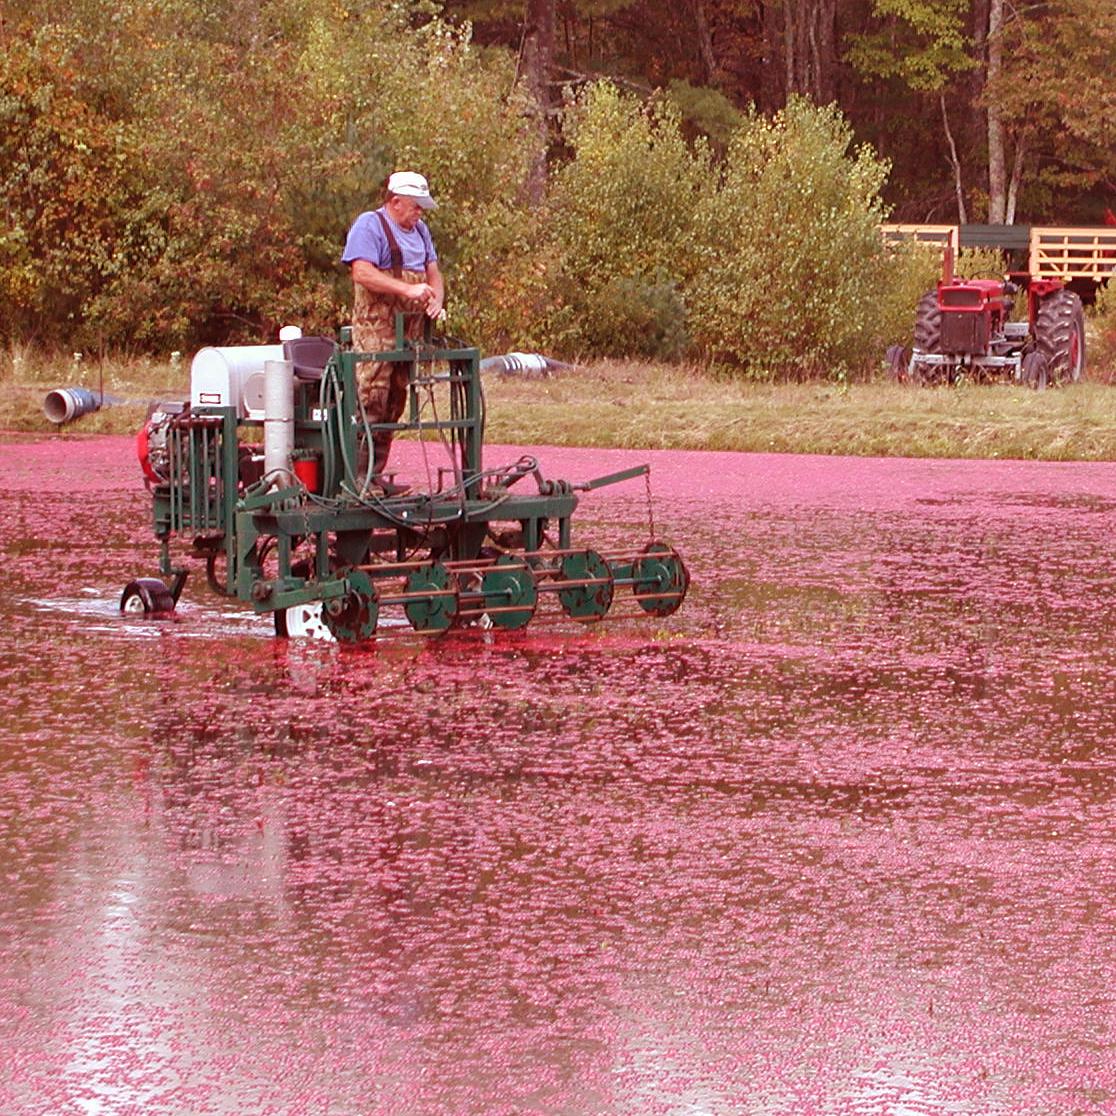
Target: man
column 394, row 268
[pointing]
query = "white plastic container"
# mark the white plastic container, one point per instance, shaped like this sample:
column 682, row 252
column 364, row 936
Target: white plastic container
column 232, row 376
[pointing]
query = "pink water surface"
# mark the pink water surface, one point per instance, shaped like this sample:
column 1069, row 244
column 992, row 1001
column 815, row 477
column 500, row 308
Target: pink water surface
column 836, row 838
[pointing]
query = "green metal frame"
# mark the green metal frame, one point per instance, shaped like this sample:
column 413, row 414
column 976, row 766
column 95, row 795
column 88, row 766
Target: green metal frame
column 257, row 530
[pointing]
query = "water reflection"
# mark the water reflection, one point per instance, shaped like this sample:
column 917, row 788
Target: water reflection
column 834, row 839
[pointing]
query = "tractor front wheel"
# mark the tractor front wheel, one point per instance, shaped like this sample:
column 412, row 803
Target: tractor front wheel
column 1034, row 372
column 1060, row 334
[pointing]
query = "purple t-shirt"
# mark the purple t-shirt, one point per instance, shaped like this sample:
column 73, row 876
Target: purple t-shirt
column 366, row 241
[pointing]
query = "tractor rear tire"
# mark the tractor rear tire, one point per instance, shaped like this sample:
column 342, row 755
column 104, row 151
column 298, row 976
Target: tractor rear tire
column 927, row 338
column 1060, row 334
column 928, row 324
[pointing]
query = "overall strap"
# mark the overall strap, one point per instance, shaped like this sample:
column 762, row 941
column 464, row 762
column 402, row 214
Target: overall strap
column 393, row 247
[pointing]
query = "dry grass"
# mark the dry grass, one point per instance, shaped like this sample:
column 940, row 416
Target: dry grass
column 633, row 405
column 27, row 374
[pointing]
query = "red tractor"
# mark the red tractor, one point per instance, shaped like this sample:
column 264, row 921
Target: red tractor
column 963, row 328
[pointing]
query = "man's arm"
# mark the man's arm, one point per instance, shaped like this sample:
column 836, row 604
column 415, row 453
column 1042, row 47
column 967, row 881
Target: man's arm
column 438, row 287
column 382, row 282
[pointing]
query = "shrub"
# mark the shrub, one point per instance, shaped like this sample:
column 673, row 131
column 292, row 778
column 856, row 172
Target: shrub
column 1101, row 338
column 169, row 182
column 788, row 266
column 633, row 316
column 622, row 210
column 466, row 133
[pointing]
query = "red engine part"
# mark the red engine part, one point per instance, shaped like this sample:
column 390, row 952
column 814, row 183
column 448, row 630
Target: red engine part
column 152, row 449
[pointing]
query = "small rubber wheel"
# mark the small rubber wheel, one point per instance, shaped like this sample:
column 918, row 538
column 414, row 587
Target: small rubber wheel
column 304, row 621
column 147, row 596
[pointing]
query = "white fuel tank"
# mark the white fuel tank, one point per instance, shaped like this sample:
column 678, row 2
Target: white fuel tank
column 232, row 376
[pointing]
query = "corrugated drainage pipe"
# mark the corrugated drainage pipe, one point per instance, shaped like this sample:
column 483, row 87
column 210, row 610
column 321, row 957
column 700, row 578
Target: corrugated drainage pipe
column 65, row 404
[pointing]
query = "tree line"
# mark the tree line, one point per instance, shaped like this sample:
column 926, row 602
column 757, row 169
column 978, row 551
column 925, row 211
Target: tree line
column 700, row 179
column 988, row 110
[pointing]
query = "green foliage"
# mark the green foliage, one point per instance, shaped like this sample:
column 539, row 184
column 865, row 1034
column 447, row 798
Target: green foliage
column 981, row 263
column 466, row 132
column 178, row 173
column 921, row 42
column 622, row 211
column 912, row 270
column 1056, row 92
column 789, row 268
column 1101, row 337
column 772, row 262
column 708, row 111
column 69, row 199
column 633, row 316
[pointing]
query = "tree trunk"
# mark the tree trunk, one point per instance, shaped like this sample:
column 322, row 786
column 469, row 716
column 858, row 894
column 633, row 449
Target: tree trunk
column 823, row 43
column 705, row 43
column 790, row 51
column 538, row 61
column 997, row 167
column 808, row 46
column 962, row 215
column 773, row 91
column 1016, row 176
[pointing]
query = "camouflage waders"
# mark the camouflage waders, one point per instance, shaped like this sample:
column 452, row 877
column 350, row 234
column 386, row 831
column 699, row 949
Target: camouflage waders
column 382, row 384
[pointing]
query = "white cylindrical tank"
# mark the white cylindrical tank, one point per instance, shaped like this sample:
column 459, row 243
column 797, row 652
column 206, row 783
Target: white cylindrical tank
column 278, row 421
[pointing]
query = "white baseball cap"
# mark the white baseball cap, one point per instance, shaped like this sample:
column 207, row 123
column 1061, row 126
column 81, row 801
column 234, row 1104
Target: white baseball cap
column 412, row 185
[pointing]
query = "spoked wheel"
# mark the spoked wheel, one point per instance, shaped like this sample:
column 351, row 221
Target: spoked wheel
column 660, row 580
column 304, row 621
column 147, row 596
column 352, row 618
column 510, row 594
column 436, row 604
column 589, row 595
column 1060, row 333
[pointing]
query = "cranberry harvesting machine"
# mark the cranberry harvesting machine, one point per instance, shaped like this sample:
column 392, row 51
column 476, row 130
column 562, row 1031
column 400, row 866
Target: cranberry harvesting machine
column 297, row 527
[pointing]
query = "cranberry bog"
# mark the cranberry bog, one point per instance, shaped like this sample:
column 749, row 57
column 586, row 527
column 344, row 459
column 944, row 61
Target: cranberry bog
column 836, row 837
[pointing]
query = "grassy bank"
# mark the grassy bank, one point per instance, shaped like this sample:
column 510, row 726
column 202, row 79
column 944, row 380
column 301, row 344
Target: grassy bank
column 630, row 405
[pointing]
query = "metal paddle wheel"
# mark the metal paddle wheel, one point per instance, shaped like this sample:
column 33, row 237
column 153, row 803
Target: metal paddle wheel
column 297, row 526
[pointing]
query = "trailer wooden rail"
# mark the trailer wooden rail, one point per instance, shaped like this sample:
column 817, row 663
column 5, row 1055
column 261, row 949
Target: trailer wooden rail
column 1083, row 257
column 943, row 236
column 1072, row 253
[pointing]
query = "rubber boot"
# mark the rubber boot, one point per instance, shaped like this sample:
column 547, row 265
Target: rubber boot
column 382, row 447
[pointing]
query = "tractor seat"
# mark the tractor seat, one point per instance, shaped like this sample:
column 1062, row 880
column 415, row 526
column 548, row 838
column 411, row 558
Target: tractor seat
column 309, row 355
